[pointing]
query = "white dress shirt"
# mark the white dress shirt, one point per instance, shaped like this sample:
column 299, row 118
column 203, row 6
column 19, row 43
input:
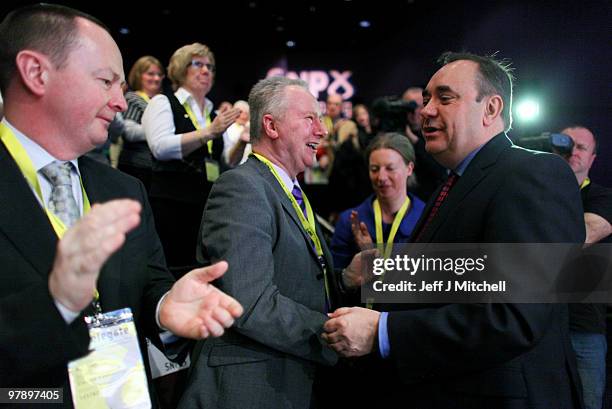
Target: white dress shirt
column 231, row 137
column 158, row 124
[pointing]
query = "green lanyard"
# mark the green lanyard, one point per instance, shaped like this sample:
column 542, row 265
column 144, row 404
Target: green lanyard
column 394, row 227
column 20, row 156
column 197, row 125
column 379, row 234
column 307, row 224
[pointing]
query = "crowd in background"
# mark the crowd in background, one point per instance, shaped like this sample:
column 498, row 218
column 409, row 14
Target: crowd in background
column 368, row 176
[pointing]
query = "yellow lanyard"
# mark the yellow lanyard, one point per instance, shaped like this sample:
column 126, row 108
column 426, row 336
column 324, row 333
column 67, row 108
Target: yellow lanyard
column 379, row 234
column 394, row 227
column 307, row 224
column 144, row 96
column 20, row 156
column 585, row 183
column 197, row 125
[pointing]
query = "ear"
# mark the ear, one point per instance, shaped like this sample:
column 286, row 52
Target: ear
column 33, row 68
column 493, row 110
column 269, row 125
column 410, row 167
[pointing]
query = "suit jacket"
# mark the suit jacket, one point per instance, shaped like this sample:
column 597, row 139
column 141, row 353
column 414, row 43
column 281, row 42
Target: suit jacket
column 36, row 343
column 268, row 358
column 495, row 355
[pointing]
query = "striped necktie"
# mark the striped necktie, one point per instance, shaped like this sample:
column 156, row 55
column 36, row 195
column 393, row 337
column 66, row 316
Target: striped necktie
column 450, row 182
column 299, row 197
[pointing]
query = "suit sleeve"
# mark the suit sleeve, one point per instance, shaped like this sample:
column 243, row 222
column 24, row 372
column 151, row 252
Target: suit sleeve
column 342, row 243
column 159, row 280
column 30, row 314
column 239, row 225
column 538, row 201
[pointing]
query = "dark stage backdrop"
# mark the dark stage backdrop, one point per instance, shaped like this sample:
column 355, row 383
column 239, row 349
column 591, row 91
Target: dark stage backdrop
column 560, row 49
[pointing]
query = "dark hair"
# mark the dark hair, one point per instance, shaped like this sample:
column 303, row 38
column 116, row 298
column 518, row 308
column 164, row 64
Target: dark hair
column 394, row 141
column 495, row 77
column 47, row 28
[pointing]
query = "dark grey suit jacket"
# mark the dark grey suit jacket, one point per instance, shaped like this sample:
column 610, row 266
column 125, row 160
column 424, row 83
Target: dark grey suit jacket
column 35, row 342
column 268, row 359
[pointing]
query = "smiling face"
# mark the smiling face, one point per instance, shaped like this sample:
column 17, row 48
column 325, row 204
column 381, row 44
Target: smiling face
column 85, row 93
column 151, row 80
column 452, row 116
column 299, row 130
column 389, row 174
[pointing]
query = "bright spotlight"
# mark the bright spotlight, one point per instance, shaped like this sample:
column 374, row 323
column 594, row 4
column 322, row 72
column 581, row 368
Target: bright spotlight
column 527, row 110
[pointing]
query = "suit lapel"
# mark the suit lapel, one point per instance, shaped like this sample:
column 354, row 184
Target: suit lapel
column 22, row 219
column 472, row 176
column 288, row 207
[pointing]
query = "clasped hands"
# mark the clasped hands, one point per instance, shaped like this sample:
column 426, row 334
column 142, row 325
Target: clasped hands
column 192, row 308
column 351, row 331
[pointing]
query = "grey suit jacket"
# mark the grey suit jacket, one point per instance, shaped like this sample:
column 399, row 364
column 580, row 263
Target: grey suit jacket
column 268, row 359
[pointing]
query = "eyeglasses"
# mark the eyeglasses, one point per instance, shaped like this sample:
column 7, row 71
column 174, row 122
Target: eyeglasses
column 199, row 65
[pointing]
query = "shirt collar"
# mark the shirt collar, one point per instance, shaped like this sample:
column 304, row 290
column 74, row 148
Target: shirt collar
column 183, row 95
column 37, row 154
column 287, row 181
column 460, row 169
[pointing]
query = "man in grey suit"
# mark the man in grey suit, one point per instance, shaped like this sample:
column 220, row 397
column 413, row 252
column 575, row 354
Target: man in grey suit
column 258, row 220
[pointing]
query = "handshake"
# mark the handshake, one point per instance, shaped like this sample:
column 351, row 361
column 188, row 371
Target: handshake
column 352, row 331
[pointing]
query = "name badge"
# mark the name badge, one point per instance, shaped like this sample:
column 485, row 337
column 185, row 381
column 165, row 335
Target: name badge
column 113, row 374
column 212, row 170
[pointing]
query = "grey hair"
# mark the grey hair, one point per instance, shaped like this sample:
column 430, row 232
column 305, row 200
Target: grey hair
column 268, row 97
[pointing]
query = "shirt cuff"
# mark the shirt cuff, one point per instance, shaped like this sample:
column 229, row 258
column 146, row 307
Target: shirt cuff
column 157, row 312
column 383, row 336
column 67, row 314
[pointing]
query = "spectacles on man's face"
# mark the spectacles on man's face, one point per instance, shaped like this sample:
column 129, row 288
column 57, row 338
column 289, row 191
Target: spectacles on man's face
column 199, row 65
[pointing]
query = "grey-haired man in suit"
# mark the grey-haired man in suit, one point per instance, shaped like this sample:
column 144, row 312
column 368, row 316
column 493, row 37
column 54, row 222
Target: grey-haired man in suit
column 257, row 218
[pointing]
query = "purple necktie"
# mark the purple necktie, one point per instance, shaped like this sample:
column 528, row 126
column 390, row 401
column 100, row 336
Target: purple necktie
column 299, row 197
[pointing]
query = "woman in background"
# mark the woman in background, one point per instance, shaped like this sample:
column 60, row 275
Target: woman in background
column 390, row 215
column 184, row 139
column 145, row 79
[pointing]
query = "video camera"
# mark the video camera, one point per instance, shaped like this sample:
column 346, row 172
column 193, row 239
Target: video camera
column 390, row 114
column 558, row 143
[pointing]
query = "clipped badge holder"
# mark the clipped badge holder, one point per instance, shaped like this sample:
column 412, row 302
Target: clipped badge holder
column 113, row 374
column 212, row 170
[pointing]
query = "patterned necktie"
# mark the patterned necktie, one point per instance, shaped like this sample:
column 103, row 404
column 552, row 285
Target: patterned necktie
column 61, row 201
column 450, row 181
column 299, row 197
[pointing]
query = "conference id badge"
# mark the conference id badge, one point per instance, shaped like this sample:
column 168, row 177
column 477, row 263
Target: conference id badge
column 212, row 170
column 113, row 374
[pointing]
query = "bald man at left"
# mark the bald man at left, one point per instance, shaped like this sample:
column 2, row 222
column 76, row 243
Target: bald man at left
column 75, row 234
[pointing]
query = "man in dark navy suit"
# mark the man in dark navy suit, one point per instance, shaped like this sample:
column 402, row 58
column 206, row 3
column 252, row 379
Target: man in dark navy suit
column 478, row 355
